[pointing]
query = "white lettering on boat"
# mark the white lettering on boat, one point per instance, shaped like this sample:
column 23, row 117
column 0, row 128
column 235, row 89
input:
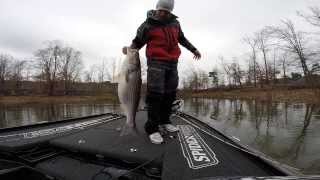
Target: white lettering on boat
column 194, row 148
column 56, row 130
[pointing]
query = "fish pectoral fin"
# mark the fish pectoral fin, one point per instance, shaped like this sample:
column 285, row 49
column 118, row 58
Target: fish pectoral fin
column 127, row 130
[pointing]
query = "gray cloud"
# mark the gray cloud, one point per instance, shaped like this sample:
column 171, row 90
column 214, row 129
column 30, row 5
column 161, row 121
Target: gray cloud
column 100, row 28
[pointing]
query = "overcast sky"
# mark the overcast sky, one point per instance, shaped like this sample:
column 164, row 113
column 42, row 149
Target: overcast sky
column 100, row 28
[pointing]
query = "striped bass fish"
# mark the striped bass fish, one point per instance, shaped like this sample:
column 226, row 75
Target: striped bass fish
column 129, row 87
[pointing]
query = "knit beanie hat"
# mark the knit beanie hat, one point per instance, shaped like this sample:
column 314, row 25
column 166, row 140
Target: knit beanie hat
column 166, row 5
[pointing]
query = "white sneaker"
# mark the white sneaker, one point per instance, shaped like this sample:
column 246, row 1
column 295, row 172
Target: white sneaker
column 170, row 128
column 156, row 138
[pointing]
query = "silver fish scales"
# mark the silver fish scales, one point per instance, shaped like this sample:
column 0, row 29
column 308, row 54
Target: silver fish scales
column 129, row 88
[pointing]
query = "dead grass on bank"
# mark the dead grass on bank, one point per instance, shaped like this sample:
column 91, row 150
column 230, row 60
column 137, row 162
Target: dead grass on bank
column 311, row 96
column 11, row 100
column 296, row 95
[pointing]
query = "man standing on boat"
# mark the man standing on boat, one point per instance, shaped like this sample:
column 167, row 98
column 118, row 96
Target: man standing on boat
column 161, row 32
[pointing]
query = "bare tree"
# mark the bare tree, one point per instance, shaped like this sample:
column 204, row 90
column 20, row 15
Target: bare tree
column 233, row 71
column 70, row 67
column 315, row 69
column 48, row 64
column 112, row 66
column 236, row 73
column 251, row 73
column 204, row 79
column 185, row 83
column 90, row 75
column 29, row 70
column 192, row 80
column 260, row 74
column 253, row 43
column 87, row 77
column 283, row 60
column 214, row 77
column 274, row 72
column 226, row 69
column 57, row 62
column 102, row 71
column 4, row 70
column 113, row 63
column 292, row 41
column 313, row 17
column 17, row 68
column 262, row 38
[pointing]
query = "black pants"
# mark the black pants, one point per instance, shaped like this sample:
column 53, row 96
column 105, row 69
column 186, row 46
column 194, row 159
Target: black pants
column 162, row 83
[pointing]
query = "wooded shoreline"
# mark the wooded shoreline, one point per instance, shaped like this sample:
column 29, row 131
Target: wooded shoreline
column 304, row 95
column 12, row 100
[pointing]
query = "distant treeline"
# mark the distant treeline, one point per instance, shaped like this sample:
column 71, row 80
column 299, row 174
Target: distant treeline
column 55, row 69
column 27, row 88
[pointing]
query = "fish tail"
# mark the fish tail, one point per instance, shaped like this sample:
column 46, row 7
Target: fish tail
column 129, row 130
column 129, row 127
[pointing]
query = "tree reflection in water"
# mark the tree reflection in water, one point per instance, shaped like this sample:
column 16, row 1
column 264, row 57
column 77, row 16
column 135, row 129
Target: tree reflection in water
column 18, row 115
column 283, row 131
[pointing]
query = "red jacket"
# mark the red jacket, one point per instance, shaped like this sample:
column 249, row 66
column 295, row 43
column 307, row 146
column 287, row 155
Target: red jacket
column 162, row 38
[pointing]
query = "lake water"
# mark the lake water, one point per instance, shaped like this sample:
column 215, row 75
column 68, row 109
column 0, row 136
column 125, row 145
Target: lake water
column 17, row 115
column 287, row 132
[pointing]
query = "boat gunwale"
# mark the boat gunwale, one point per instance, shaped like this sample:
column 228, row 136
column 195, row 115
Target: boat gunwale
column 284, row 168
column 67, row 120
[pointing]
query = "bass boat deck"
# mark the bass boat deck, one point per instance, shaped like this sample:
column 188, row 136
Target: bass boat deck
column 92, row 148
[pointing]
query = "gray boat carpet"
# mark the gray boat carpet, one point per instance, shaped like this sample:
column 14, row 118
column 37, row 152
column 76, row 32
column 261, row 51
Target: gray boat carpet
column 194, row 152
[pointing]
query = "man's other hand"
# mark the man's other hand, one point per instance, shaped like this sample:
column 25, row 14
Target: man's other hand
column 197, row 55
